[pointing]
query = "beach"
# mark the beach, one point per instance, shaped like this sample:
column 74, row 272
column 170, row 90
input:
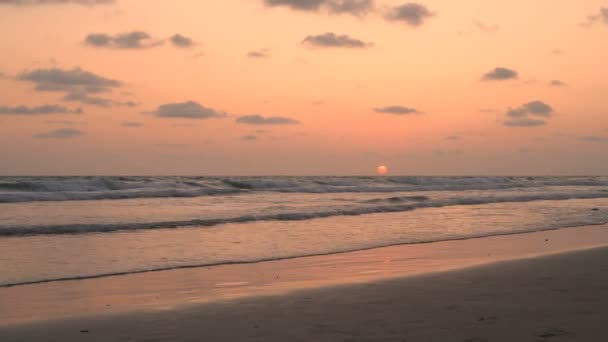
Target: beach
column 540, row 286
column 303, row 170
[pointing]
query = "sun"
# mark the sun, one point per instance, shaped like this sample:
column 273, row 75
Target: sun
column 382, row 170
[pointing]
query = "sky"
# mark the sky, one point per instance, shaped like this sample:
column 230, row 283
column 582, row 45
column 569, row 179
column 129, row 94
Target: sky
column 303, row 87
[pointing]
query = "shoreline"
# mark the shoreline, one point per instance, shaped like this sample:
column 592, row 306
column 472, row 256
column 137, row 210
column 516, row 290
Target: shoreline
column 180, row 288
column 128, row 273
column 553, row 297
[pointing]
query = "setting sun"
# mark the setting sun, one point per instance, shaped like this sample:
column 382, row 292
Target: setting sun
column 382, row 169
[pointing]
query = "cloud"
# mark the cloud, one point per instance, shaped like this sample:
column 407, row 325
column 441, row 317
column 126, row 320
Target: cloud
column 177, row 145
column 352, row 7
column 522, row 116
column 85, row 98
column 412, row 14
column 537, row 108
column 594, row 138
column 303, row 5
column 78, row 84
column 131, row 124
column 602, row 15
column 260, row 120
column 181, row 41
column 65, row 122
column 186, row 110
column 557, row 83
column 250, row 137
column 447, row 153
column 262, row 53
column 500, row 74
column 74, row 80
column 55, row 2
column 397, row 110
column 132, row 40
column 485, row 27
column 40, row 110
column 524, row 122
column 63, row 133
column 333, row 40
column 453, row 137
column 125, row 103
column 135, row 40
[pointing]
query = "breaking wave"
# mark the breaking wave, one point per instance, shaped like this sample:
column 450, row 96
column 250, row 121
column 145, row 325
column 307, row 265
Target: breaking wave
column 379, row 205
column 29, row 189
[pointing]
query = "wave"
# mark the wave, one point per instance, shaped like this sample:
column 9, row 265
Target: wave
column 399, row 199
column 384, row 205
column 29, row 189
column 301, row 255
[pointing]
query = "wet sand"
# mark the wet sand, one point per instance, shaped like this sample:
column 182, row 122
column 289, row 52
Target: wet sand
column 386, row 294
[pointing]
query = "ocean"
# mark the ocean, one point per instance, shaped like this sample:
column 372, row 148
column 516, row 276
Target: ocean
column 57, row 228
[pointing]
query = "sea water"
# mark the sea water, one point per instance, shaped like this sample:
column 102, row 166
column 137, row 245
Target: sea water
column 54, row 228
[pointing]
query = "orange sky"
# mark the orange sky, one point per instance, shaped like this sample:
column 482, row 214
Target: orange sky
column 437, row 68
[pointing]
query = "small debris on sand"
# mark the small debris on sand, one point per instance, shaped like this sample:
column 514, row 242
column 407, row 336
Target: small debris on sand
column 555, row 333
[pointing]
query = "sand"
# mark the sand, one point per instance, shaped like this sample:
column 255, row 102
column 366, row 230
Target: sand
column 557, row 297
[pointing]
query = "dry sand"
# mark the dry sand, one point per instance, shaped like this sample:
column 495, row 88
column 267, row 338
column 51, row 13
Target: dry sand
column 560, row 297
